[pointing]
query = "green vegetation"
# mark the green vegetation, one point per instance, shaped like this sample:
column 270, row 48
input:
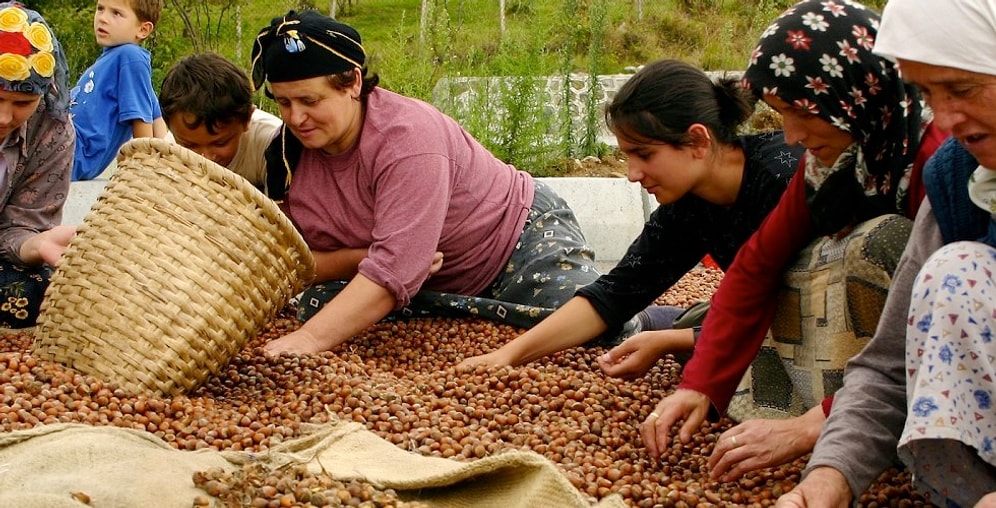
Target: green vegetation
column 412, row 50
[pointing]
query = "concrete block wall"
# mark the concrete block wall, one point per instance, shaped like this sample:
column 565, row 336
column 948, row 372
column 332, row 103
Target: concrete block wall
column 611, row 212
column 460, row 96
column 82, row 196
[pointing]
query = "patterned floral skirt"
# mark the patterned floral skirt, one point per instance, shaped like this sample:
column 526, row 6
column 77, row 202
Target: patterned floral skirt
column 949, row 442
column 549, row 263
column 21, row 292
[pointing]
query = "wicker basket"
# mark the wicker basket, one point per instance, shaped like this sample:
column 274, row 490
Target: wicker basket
column 178, row 265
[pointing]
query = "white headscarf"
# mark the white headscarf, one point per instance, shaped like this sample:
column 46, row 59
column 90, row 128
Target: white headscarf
column 948, row 33
column 960, row 34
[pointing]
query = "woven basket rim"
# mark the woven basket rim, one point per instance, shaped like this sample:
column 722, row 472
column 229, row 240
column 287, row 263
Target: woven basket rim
column 179, row 263
column 306, row 271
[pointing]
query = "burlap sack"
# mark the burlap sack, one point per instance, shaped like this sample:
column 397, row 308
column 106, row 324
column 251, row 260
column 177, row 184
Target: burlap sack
column 44, row 467
column 828, row 308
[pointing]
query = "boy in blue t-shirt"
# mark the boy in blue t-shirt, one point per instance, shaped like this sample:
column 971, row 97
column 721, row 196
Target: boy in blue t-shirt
column 114, row 100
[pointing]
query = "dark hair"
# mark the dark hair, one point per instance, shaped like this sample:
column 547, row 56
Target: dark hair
column 346, row 79
column 209, row 87
column 664, row 98
column 343, row 80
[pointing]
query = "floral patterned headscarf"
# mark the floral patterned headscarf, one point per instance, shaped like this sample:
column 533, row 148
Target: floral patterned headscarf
column 818, row 56
column 31, row 59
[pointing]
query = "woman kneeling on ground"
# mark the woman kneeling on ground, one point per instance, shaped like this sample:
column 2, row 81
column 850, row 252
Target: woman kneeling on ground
column 678, row 129
column 866, row 140
column 923, row 389
column 382, row 183
column 37, row 160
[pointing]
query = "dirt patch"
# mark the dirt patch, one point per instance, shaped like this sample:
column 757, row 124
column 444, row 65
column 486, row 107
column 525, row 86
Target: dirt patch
column 609, row 166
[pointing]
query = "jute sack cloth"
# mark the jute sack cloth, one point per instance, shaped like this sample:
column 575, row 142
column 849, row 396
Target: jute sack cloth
column 114, row 467
column 828, row 307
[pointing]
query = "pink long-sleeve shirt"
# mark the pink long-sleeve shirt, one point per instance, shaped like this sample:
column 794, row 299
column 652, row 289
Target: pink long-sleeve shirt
column 413, row 184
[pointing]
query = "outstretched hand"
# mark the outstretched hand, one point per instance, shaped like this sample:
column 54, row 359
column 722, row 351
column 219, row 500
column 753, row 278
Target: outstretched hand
column 760, row 443
column 51, row 244
column 637, row 354
column 685, row 405
column 493, row 359
column 823, row 487
column 297, row 342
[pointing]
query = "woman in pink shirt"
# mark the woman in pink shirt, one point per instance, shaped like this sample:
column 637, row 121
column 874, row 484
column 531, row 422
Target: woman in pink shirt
column 403, row 209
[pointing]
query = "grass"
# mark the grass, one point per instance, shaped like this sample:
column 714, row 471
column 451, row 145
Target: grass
column 463, row 38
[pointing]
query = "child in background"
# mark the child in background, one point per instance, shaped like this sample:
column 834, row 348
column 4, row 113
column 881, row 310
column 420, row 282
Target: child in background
column 206, row 102
column 114, row 99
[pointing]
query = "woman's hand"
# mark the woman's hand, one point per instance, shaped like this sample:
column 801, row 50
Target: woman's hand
column 760, row 443
column 298, row 342
column 688, row 405
column 573, row 324
column 822, row 487
column 47, row 246
column 437, row 263
column 987, row 501
column 358, row 306
column 637, row 354
column 495, row 358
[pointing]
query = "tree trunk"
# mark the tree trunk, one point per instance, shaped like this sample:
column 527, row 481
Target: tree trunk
column 423, row 22
column 238, row 33
column 501, row 18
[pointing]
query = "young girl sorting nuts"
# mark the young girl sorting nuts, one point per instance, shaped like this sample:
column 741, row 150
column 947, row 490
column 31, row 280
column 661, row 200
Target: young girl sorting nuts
column 679, row 130
column 866, row 140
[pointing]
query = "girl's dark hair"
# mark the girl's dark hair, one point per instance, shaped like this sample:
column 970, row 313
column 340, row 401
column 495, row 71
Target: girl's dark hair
column 665, row 97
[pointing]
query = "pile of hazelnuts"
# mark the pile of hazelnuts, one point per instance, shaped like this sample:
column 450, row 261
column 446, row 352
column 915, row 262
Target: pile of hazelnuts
column 399, row 380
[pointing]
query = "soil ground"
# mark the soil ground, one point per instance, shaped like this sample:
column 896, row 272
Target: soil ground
column 609, row 166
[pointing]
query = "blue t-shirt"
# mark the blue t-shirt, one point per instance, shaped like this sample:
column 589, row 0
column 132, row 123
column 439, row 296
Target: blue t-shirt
column 111, row 94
